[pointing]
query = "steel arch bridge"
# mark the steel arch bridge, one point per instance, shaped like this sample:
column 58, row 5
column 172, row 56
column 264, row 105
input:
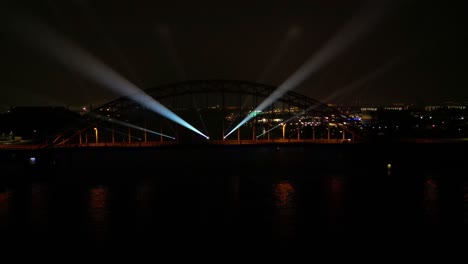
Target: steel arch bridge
column 213, row 107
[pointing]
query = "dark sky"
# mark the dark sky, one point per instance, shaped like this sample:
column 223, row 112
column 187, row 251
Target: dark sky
column 419, row 44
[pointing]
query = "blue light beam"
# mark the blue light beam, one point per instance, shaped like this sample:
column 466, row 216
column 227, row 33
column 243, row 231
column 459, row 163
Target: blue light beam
column 349, row 88
column 65, row 52
column 358, row 26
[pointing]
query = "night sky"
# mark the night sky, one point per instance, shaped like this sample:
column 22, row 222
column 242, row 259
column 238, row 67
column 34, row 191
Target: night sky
column 419, row 44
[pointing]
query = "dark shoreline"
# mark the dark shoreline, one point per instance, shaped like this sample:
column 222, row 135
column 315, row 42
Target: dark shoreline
column 323, row 156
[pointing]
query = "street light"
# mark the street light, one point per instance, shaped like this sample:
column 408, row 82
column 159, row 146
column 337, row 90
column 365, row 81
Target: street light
column 284, row 131
column 96, row 132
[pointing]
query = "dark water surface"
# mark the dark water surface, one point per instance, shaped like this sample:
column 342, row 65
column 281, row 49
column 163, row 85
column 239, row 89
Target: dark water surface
column 245, row 195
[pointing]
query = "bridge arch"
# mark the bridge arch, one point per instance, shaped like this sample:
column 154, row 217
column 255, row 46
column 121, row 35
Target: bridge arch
column 214, row 107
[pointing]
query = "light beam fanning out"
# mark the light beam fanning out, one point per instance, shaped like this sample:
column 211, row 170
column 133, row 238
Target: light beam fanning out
column 39, row 36
column 348, row 89
column 165, row 35
column 340, row 93
column 292, row 34
column 359, row 25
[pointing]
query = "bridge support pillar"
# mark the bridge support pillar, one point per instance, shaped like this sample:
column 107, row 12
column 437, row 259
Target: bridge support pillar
column 253, row 131
column 129, row 136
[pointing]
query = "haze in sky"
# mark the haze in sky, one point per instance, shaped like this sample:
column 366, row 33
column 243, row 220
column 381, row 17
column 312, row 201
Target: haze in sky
column 151, row 43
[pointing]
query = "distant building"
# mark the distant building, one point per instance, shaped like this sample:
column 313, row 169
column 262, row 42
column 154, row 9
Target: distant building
column 446, row 106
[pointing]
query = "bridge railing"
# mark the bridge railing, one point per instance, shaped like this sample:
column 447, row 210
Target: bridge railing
column 173, row 143
column 279, row 141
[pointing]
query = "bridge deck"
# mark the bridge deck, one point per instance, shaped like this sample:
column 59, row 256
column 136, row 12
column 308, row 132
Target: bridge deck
column 219, row 142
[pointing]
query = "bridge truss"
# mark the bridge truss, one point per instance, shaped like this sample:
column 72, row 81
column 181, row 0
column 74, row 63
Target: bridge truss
column 213, row 107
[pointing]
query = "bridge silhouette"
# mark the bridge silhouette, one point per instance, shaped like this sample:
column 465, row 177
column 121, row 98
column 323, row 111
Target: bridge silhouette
column 213, row 107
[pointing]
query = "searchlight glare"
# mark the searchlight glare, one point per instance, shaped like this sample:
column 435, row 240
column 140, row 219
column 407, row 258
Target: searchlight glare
column 40, row 36
column 349, row 88
column 360, row 24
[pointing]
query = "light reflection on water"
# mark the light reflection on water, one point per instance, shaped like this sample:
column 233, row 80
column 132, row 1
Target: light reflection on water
column 284, row 216
column 99, row 212
column 242, row 203
column 5, row 199
column 144, row 202
column 431, row 200
column 145, row 189
column 39, row 206
column 336, row 202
